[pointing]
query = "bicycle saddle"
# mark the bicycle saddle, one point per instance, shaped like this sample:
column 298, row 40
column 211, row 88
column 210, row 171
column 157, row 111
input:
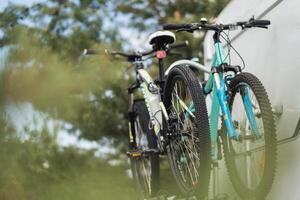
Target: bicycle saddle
column 161, row 37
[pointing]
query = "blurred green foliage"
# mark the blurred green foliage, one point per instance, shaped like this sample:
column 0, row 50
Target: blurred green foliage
column 91, row 95
column 35, row 171
column 44, row 68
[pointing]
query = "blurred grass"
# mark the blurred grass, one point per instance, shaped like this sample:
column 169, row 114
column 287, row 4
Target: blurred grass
column 103, row 182
column 37, row 168
column 28, row 172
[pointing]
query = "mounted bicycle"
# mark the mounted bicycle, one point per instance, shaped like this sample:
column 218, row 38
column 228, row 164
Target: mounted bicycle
column 248, row 130
column 160, row 127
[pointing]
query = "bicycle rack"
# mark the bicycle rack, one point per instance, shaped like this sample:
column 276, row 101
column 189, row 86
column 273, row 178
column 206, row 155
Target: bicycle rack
column 215, row 172
column 294, row 137
column 215, row 175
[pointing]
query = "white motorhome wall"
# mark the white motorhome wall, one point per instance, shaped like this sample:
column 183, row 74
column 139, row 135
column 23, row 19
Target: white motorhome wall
column 273, row 55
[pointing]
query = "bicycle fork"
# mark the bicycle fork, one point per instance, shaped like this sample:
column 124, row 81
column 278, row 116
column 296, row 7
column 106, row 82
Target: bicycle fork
column 220, row 99
column 249, row 112
column 220, row 92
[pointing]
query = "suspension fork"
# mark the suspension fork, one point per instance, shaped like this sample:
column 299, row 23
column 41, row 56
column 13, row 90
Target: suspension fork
column 249, row 112
column 219, row 87
column 131, row 126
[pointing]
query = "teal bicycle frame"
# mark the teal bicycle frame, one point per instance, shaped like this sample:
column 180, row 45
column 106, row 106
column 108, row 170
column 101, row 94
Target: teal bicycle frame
column 216, row 85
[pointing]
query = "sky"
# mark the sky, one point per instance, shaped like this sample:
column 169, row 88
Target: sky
column 4, row 3
column 23, row 114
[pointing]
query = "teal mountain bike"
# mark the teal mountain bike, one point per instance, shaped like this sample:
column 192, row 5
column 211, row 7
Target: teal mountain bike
column 247, row 130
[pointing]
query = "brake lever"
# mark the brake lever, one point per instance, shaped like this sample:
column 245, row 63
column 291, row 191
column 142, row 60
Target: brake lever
column 258, row 26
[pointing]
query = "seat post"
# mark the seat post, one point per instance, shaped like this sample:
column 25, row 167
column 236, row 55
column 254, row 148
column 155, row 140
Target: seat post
column 161, row 74
column 160, row 55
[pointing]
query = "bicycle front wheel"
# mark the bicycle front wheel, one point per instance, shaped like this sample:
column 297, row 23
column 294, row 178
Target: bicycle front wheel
column 251, row 162
column 144, row 160
column 188, row 135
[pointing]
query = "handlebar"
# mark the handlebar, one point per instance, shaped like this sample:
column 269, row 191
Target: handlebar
column 176, row 26
column 257, row 23
column 260, row 22
column 131, row 57
column 217, row 27
column 138, row 55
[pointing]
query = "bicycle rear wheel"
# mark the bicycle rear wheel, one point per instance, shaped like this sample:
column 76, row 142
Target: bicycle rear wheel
column 251, row 162
column 143, row 158
column 188, row 136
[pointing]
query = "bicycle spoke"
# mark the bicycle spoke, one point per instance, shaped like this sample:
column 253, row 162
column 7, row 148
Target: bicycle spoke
column 192, row 159
column 186, row 163
column 147, row 177
column 180, row 106
column 189, row 159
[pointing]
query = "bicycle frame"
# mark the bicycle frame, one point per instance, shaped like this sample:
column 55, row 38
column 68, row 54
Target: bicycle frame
column 216, row 85
column 151, row 92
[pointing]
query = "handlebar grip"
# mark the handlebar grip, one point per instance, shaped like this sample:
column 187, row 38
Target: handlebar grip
column 108, row 52
column 175, row 26
column 179, row 45
column 260, row 22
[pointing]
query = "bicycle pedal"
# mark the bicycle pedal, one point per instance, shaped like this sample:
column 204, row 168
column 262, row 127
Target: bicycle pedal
column 134, row 154
column 142, row 153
